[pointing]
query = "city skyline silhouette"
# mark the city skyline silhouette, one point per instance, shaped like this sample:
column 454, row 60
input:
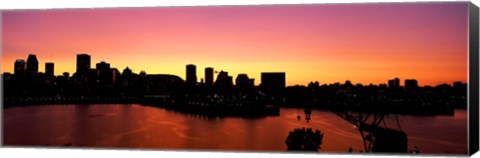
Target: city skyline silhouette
column 202, row 79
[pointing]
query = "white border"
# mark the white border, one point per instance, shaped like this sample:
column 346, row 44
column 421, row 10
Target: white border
column 83, row 153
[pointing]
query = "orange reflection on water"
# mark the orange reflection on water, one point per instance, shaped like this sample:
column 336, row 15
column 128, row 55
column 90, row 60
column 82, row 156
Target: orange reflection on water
column 141, row 127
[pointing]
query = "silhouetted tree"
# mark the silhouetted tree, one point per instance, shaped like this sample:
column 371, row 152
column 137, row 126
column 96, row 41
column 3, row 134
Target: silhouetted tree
column 304, row 140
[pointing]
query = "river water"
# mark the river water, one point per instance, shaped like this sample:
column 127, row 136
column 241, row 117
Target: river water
column 142, row 127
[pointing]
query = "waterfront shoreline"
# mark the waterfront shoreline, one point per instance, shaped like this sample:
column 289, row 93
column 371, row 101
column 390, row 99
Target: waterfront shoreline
column 418, row 111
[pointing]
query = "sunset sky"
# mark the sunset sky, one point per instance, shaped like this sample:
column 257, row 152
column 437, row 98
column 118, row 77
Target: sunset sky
column 364, row 43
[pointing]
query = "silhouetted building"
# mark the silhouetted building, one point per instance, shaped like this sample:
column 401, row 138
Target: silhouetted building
column 49, row 69
column 273, row 80
column 66, row 74
column 411, row 85
column 127, row 77
column 394, row 83
column 63, row 80
column 223, row 80
column 83, row 63
column 104, row 73
column 83, row 67
column 115, row 75
column 102, row 66
column 191, row 75
column 92, row 76
column 209, row 76
column 230, row 80
column 7, row 77
column 32, row 65
column 242, row 81
column 19, row 67
column 127, row 71
column 163, row 84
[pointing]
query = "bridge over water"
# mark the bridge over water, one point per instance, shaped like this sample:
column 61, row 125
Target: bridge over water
column 378, row 135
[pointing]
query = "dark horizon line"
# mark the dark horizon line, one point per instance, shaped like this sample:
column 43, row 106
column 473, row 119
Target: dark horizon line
column 215, row 72
column 304, row 85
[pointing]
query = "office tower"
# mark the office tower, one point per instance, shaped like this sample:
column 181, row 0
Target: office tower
column 191, row 75
column 49, row 69
column 209, row 76
column 394, row 83
column 104, row 72
column 411, row 85
column 115, row 75
column 242, row 81
column 19, row 67
column 83, row 64
column 32, row 65
column 224, row 80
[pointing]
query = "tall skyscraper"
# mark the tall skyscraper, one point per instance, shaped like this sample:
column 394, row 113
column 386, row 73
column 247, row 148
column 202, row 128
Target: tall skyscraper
column 83, row 64
column 209, row 76
column 49, row 69
column 83, row 68
column 191, row 75
column 32, row 64
column 19, row 67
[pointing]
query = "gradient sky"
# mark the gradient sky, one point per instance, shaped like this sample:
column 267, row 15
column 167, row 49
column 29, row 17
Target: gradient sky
column 364, row 43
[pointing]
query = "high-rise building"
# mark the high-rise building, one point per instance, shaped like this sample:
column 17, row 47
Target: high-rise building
column 115, row 75
column 273, row 80
column 32, row 64
column 83, row 64
column 104, row 72
column 394, row 83
column 102, row 66
column 411, row 85
column 49, row 69
column 224, row 80
column 209, row 76
column 242, row 81
column 19, row 67
column 191, row 75
column 127, row 79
